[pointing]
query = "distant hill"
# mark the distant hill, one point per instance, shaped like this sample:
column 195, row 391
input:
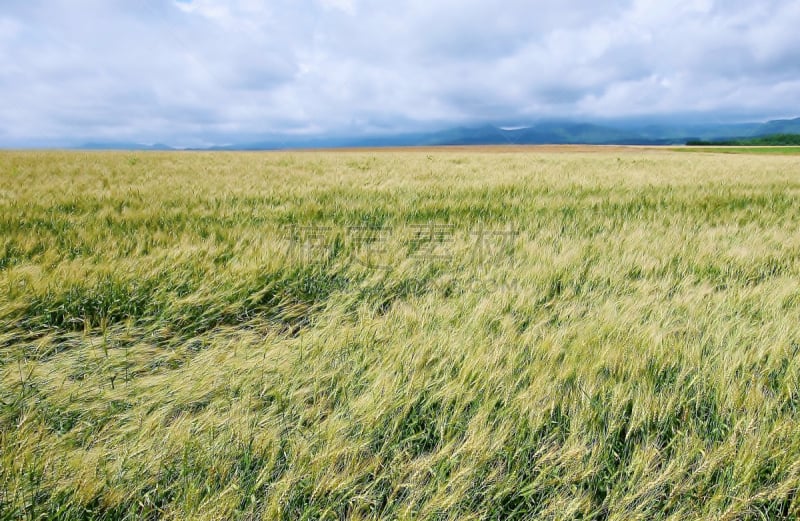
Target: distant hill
column 774, row 140
column 538, row 133
column 781, row 126
column 124, row 146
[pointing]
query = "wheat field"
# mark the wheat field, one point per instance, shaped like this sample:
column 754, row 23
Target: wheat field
column 421, row 334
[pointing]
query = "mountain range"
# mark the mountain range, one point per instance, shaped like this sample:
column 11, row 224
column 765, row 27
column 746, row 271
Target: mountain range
column 541, row 133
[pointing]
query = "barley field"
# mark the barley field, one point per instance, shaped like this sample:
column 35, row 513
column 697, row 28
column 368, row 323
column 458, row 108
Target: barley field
column 439, row 334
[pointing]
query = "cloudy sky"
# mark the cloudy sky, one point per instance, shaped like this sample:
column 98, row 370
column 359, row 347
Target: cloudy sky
column 211, row 71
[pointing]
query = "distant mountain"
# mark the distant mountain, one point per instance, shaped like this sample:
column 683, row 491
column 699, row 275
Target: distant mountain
column 124, row 146
column 780, row 126
column 547, row 133
column 538, row 133
column 680, row 132
column 567, row 132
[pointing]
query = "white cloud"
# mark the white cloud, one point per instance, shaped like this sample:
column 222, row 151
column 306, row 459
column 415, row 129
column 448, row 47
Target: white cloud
column 203, row 70
column 346, row 6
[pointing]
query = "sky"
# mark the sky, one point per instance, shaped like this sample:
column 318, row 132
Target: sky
column 199, row 72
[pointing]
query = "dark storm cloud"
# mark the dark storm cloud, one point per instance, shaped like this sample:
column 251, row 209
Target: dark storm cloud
column 206, row 70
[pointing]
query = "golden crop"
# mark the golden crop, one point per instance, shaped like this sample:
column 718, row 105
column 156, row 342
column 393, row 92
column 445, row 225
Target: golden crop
column 421, row 334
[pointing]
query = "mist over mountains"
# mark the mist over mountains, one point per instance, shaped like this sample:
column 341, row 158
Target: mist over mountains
column 552, row 132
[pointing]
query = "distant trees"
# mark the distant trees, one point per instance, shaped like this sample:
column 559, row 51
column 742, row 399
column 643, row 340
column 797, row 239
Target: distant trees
column 774, row 140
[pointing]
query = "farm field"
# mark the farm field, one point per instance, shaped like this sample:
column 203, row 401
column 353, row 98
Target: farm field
column 541, row 333
column 785, row 150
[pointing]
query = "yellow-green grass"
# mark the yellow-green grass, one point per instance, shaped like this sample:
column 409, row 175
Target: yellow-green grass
column 771, row 150
column 606, row 335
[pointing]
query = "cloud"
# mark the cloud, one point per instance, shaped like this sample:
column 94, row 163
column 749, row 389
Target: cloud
column 200, row 71
column 346, row 6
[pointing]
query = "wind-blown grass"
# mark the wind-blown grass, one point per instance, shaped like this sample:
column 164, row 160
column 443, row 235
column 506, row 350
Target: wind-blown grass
column 411, row 335
column 765, row 150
